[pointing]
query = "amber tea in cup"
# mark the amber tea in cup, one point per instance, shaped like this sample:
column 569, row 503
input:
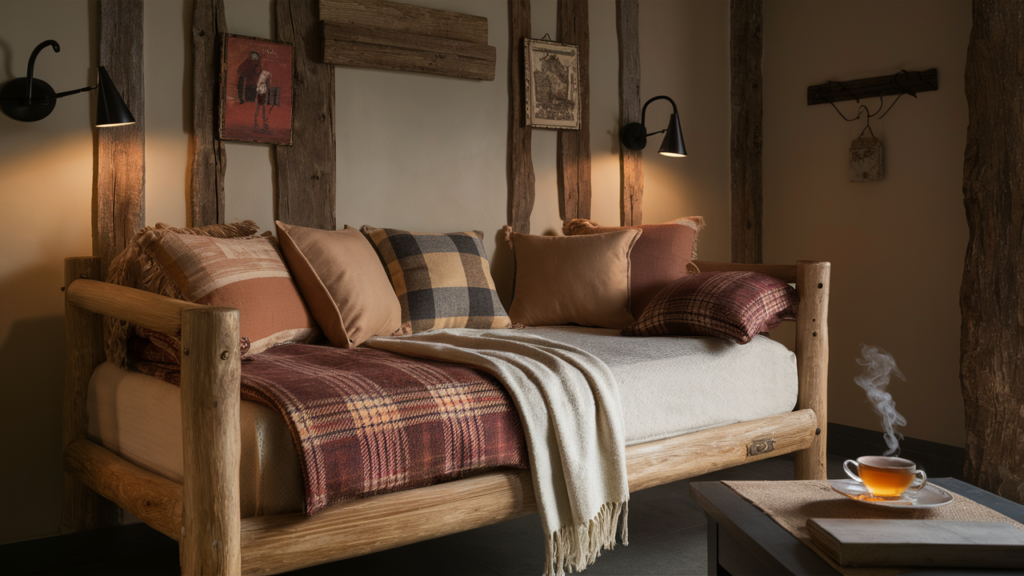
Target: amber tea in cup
column 886, row 477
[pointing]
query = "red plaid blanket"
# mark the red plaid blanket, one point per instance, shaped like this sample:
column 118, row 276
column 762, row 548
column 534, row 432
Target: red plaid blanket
column 368, row 421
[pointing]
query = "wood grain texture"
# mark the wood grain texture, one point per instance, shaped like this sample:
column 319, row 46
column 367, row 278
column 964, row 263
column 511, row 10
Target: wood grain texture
column 307, row 170
column 992, row 290
column 209, row 158
column 631, row 162
column 745, row 56
column 406, row 18
column 121, row 152
column 910, row 82
column 574, row 145
column 363, row 46
column 784, row 272
column 152, row 498
column 139, row 307
column 84, row 509
column 812, row 283
column 274, row 544
column 211, row 372
column 521, row 181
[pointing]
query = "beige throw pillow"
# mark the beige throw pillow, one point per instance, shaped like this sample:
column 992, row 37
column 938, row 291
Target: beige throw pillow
column 572, row 279
column 342, row 282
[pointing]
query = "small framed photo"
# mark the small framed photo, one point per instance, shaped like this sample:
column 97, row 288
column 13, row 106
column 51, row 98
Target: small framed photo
column 256, row 90
column 552, row 83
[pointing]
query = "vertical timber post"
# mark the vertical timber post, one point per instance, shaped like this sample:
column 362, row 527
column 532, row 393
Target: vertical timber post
column 812, row 284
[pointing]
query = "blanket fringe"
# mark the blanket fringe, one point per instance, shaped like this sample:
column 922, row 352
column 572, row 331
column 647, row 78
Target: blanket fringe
column 573, row 548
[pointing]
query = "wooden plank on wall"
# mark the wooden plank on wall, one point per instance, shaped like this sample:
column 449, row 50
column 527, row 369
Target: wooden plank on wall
column 631, row 162
column 992, row 291
column 406, row 18
column 367, row 47
column 209, row 159
column 121, row 153
column 574, row 145
column 745, row 55
column 521, row 190
column 307, row 170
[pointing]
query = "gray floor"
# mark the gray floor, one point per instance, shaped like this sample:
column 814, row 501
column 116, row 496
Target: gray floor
column 666, row 536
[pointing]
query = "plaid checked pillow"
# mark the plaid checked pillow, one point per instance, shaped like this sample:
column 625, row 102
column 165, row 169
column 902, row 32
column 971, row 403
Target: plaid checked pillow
column 732, row 305
column 442, row 280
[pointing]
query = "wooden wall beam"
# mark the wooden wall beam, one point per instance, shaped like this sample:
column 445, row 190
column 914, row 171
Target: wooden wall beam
column 406, row 18
column 521, row 184
column 745, row 56
column 992, row 291
column 574, row 145
column 631, row 162
column 209, row 159
column 307, row 170
column 121, row 153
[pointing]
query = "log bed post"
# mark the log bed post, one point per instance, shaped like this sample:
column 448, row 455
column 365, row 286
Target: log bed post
column 812, row 283
column 210, row 403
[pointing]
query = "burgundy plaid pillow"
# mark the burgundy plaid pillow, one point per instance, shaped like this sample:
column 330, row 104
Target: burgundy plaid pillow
column 733, row 305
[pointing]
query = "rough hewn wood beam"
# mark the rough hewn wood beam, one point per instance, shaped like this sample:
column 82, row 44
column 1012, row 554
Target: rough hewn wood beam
column 121, row 154
column 209, row 159
column 574, row 145
column 992, row 292
column 307, row 170
column 521, row 190
column 631, row 162
column 745, row 51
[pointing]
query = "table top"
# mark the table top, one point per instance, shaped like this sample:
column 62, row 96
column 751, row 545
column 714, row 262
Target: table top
column 774, row 546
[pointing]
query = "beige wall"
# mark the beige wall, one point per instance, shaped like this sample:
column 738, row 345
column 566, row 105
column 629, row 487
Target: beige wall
column 896, row 246
column 415, row 151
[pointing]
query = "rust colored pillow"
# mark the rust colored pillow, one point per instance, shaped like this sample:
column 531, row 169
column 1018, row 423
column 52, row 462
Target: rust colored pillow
column 244, row 273
column 664, row 253
column 572, row 279
column 342, row 282
column 732, row 305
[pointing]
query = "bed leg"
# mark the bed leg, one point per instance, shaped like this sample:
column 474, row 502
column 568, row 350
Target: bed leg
column 83, row 331
column 210, row 403
column 812, row 283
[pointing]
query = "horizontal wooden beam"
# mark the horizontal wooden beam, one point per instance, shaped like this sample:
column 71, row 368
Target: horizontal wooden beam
column 153, row 498
column 275, row 544
column 139, row 307
column 899, row 83
column 784, row 272
column 366, row 47
column 399, row 17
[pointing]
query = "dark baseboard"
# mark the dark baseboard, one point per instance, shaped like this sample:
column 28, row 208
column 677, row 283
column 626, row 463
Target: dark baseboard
column 938, row 460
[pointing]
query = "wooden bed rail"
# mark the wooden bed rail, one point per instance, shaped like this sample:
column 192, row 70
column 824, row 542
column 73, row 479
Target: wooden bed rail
column 139, row 307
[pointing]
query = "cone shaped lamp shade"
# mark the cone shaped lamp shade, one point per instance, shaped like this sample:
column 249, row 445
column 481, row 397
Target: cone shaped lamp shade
column 110, row 107
column 673, row 144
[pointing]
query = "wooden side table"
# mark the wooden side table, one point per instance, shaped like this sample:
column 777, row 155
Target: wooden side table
column 744, row 540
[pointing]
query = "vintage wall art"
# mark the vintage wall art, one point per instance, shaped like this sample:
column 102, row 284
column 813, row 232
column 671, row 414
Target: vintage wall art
column 256, row 90
column 552, row 84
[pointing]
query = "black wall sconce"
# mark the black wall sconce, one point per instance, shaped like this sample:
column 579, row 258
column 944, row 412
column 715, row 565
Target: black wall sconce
column 634, row 135
column 30, row 99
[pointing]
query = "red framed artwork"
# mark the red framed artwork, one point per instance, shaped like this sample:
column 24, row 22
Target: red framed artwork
column 256, row 90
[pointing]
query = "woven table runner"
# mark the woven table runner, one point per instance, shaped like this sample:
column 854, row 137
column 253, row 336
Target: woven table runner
column 791, row 503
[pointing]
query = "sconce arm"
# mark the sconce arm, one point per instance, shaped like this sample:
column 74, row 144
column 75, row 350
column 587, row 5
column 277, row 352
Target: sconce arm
column 643, row 113
column 32, row 63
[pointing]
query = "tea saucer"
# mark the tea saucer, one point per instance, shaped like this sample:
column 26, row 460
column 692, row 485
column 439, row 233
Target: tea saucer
column 928, row 497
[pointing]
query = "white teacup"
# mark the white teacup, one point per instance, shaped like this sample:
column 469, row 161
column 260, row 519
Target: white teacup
column 886, row 477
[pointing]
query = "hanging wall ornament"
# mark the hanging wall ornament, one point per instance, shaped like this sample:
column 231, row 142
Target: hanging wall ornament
column 866, row 157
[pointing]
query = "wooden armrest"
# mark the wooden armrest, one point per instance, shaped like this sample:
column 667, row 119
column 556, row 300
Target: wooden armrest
column 784, row 272
column 139, row 307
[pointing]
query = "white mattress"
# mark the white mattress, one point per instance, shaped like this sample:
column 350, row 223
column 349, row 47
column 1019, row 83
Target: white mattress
column 668, row 386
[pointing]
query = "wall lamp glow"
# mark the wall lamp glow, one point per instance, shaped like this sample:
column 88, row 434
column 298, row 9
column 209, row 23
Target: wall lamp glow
column 634, row 135
column 30, row 99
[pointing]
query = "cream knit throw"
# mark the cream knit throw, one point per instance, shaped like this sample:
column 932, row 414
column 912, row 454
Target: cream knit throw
column 569, row 406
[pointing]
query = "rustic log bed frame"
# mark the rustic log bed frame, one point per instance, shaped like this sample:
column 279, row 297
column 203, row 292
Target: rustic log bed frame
column 203, row 513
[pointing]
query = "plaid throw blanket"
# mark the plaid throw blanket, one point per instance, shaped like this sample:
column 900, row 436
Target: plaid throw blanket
column 369, row 421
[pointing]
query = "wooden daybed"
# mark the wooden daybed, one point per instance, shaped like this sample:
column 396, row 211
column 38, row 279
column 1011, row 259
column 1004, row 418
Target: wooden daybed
column 203, row 513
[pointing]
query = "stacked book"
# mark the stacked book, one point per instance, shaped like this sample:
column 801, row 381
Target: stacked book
column 927, row 543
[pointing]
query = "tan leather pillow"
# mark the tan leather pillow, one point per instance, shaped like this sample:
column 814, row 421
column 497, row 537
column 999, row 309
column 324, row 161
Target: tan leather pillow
column 343, row 283
column 572, row 279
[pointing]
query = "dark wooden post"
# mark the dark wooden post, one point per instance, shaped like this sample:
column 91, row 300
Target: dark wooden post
column 521, row 190
column 745, row 47
column 574, row 145
column 631, row 162
column 209, row 159
column 992, row 292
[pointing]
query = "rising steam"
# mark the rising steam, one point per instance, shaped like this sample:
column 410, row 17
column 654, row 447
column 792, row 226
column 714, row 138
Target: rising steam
column 878, row 365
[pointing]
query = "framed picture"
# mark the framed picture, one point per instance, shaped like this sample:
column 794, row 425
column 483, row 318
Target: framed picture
column 256, row 90
column 552, row 83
